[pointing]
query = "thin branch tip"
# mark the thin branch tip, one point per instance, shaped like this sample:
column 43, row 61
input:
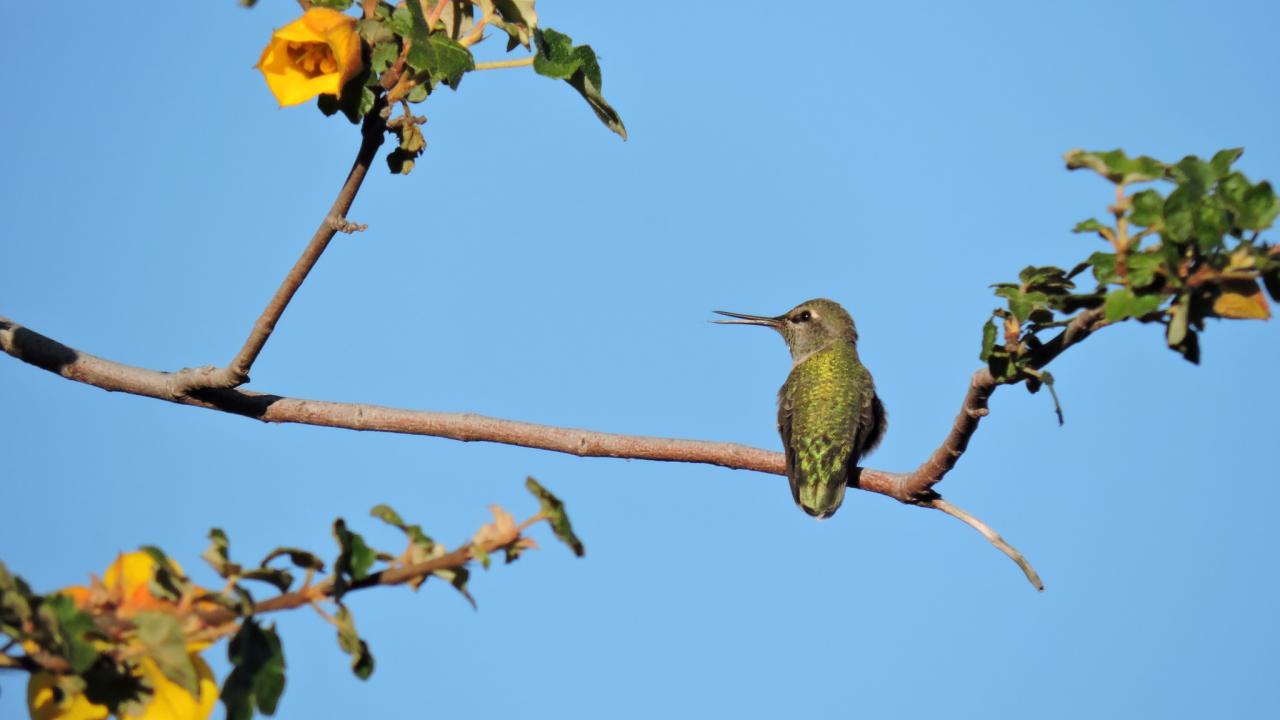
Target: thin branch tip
column 993, row 537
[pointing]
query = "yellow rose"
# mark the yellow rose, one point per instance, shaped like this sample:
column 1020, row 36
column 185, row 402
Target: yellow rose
column 314, row 55
column 126, row 581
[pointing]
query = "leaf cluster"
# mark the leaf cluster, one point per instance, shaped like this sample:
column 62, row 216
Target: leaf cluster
column 95, row 649
column 413, row 47
column 1179, row 253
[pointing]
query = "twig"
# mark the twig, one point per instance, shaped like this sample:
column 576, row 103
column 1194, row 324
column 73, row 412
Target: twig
column 434, row 16
column 237, row 373
column 992, row 536
column 391, row 576
column 476, row 34
column 499, row 64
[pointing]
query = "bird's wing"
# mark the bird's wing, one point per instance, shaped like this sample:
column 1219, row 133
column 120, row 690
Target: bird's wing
column 872, row 427
column 784, row 429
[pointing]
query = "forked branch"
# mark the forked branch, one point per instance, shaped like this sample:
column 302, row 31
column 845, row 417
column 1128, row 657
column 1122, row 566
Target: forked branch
column 372, row 133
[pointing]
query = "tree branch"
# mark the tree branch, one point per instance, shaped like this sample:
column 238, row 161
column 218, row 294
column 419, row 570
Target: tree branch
column 915, row 488
column 372, row 133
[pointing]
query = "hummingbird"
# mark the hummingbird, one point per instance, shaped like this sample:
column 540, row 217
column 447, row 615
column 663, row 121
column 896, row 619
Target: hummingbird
column 829, row 415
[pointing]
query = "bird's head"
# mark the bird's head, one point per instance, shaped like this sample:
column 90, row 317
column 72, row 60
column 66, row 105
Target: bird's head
column 808, row 327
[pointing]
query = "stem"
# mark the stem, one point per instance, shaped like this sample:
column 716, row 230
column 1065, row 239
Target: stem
column 476, row 34
column 434, row 16
column 237, row 373
column 500, row 64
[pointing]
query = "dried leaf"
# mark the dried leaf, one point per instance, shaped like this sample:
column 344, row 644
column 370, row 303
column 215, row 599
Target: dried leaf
column 1241, row 299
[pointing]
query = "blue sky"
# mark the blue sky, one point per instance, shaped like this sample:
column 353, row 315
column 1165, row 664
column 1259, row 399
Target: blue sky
column 897, row 157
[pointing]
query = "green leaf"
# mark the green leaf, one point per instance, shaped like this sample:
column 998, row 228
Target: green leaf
column 481, row 555
column 555, row 58
column 558, row 58
column 1142, row 268
column 1148, row 208
column 162, row 636
column 418, row 93
column 1123, row 303
column 256, row 680
column 15, row 604
column 1193, row 170
column 1259, row 207
column 590, row 89
column 1053, row 393
column 167, row 582
column 375, row 31
column 351, row 643
column 239, row 601
column 1079, row 268
column 518, row 20
column 1179, row 213
column 72, row 631
column 553, row 510
column 457, row 579
column 1224, row 159
column 988, row 340
column 1104, row 267
column 1115, row 166
column 1001, row 364
column 421, row 546
column 1232, row 189
column 403, row 19
column 1022, row 304
column 441, row 57
column 218, row 554
column 388, row 515
column 1046, row 279
column 382, row 56
column 332, row 4
column 300, row 558
column 277, row 577
column 354, row 559
column 1088, row 226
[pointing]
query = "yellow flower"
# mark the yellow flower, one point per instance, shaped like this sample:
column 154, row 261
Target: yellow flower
column 168, row 702
column 125, row 584
column 314, row 55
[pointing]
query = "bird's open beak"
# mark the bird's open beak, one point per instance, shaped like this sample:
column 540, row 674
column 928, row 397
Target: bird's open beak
column 773, row 322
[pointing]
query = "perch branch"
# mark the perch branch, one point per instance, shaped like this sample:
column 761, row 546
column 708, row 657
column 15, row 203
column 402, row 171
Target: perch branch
column 914, row 488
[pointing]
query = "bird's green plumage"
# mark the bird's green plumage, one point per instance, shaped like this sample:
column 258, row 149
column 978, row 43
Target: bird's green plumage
column 829, row 415
column 826, row 415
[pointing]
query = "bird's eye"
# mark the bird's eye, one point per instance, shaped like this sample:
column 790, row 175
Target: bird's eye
column 802, row 316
